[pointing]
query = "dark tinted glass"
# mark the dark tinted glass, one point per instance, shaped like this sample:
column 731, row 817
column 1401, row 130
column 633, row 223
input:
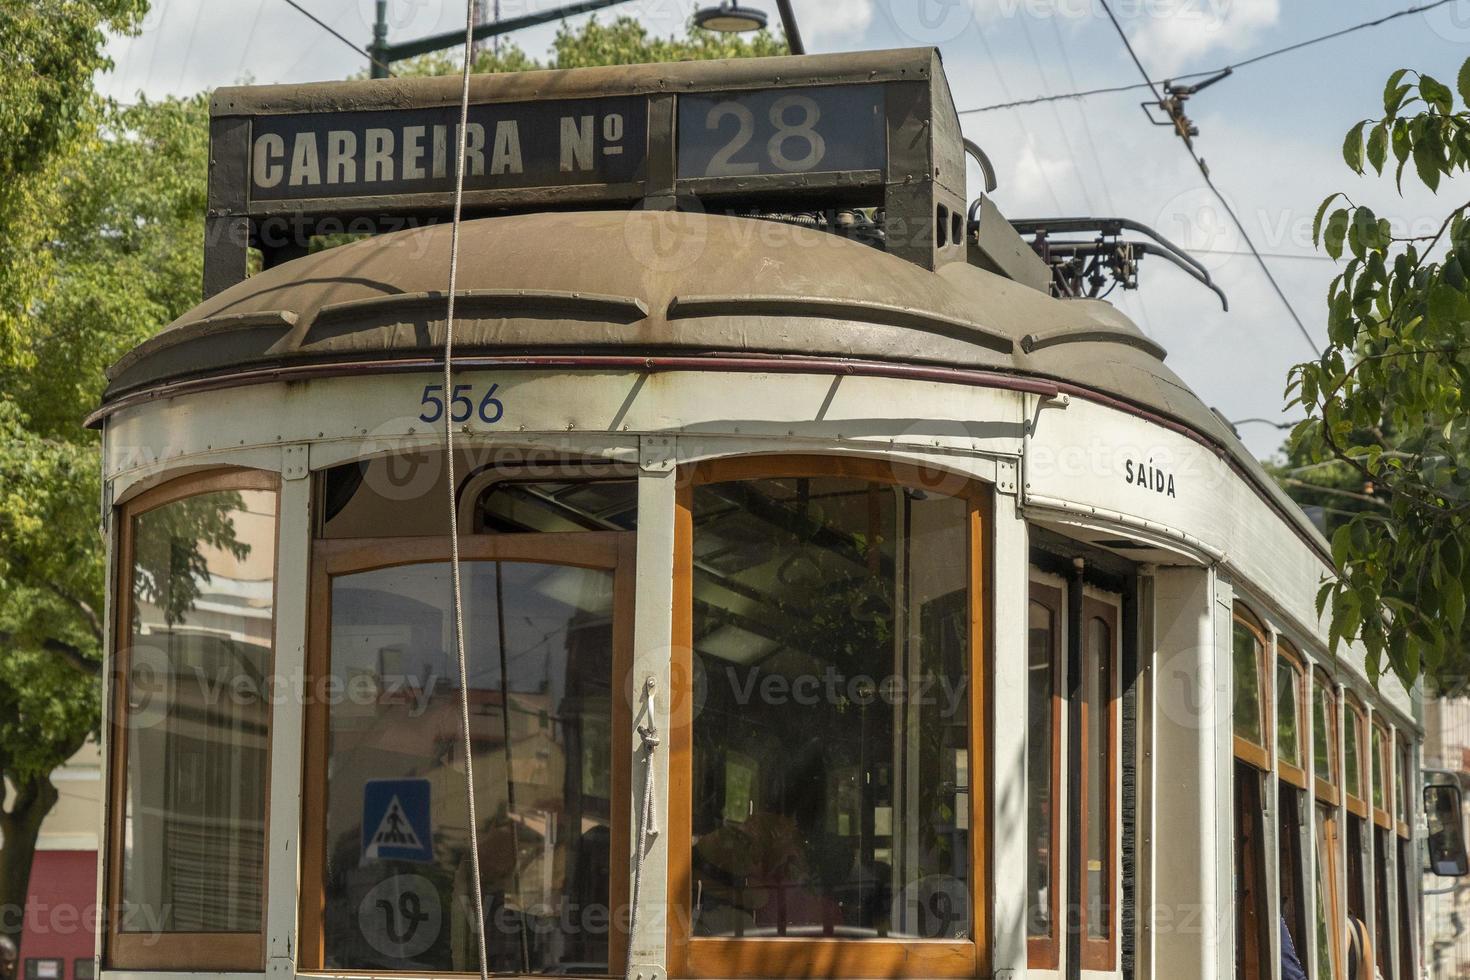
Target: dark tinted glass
column 831, row 788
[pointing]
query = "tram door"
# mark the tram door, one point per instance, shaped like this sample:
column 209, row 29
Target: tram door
column 1074, row 654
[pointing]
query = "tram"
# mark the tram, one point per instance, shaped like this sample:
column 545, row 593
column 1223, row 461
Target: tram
column 842, row 594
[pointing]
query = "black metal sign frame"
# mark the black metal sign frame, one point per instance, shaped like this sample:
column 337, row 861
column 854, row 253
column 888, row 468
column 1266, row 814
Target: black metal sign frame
column 866, row 129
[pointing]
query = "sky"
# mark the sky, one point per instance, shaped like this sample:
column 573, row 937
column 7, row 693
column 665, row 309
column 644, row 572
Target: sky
column 1271, row 133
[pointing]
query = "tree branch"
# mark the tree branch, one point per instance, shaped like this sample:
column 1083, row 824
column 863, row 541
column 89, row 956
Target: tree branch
column 73, row 656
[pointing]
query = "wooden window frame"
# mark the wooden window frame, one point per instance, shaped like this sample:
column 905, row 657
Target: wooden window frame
column 1246, row 750
column 1296, row 775
column 1381, row 765
column 1101, row 954
column 1358, row 807
column 1044, row 952
column 709, row 957
column 613, row 551
column 1403, row 753
column 176, row 951
column 1327, row 789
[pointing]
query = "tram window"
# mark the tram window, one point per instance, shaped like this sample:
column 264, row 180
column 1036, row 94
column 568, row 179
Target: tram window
column 197, row 611
column 1292, row 868
column 1043, row 762
column 1354, row 757
column 403, row 495
column 1382, row 763
column 1408, row 914
column 831, row 629
column 1382, row 890
column 545, row 631
column 1099, row 657
column 1324, row 735
column 1402, row 774
column 1288, row 709
column 1248, row 641
column 511, row 506
column 1357, row 877
column 1253, row 925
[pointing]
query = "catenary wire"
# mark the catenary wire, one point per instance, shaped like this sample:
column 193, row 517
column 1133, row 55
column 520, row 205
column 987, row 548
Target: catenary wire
column 1210, row 183
column 1112, row 89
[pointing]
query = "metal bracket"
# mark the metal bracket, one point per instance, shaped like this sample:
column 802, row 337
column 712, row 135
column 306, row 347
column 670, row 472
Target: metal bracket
column 1006, row 476
column 295, row 462
column 657, row 454
column 647, row 971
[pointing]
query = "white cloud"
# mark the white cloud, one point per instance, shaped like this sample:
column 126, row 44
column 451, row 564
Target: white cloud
column 1173, row 35
column 831, row 19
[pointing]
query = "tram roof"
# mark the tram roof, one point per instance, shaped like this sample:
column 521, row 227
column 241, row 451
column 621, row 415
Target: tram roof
column 663, row 283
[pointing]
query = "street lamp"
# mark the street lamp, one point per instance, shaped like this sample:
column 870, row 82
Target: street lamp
column 730, row 17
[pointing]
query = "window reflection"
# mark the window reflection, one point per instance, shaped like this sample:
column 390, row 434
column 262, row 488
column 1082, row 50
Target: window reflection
column 1248, row 649
column 831, row 768
column 1288, row 734
column 198, row 712
column 398, row 892
column 1352, row 755
column 1324, row 730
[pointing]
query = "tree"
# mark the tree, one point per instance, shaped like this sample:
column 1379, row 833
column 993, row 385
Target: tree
column 115, row 217
column 1389, row 399
column 50, row 49
column 101, row 234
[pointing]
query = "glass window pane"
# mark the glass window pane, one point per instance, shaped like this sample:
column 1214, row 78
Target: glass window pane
column 1288, row 734
column 539, row 640
column 1247, row 656
column 1099, row 798
column 1380, row 776
column 1405, row 765
column 584, row 505
column 1324, row 724
column 831, row 746
column 199, row 660
column 1040, row 786
column 1351, row 757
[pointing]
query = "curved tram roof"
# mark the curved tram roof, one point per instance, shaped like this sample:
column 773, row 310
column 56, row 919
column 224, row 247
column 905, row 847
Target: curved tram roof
column 660, row 290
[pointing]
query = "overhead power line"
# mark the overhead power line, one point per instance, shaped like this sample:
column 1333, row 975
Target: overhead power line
column 1111, row 89
column 1185, row 132
column 333, row 31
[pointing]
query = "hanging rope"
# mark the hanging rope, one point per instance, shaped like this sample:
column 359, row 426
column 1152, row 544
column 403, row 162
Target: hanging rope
column 464, row 684
column 647, row 820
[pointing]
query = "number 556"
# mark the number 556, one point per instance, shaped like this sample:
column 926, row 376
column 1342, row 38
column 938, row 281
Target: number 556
column 462, row 401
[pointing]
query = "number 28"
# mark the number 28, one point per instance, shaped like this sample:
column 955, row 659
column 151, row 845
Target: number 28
column 490, row 409
column 794, row 118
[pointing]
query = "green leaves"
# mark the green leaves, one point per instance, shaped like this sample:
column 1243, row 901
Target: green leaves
column 1352, row 147
column 1387, row 433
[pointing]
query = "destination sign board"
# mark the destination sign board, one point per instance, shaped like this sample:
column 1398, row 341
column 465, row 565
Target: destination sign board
column 782, row 131
column 873, row 129
column 409, row 151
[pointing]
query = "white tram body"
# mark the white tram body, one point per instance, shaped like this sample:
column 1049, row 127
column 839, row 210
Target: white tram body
column 979, row 646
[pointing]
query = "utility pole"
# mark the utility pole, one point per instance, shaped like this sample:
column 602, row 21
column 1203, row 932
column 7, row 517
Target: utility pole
column 378, row 50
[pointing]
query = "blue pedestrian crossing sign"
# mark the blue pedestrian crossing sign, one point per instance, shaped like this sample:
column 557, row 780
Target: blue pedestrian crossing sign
column 395, row 820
